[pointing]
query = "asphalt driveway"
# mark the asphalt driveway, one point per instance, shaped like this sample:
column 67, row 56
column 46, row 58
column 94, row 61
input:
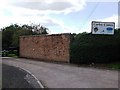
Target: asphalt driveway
column 14, row 77
column 65, row 75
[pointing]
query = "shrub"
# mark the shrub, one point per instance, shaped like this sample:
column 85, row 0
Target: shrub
column 89, row 48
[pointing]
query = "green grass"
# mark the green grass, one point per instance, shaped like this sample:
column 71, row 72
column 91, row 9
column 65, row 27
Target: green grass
column 114, row 66
column 12, row 55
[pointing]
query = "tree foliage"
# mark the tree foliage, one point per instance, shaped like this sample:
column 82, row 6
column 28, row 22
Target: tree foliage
column 10, row 34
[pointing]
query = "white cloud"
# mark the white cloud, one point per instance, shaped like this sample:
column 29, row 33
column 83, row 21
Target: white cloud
column 37, row 11
column 51, row 6
column 43, row 20
column 113, row 18
column 102, row 0
column 42, row 6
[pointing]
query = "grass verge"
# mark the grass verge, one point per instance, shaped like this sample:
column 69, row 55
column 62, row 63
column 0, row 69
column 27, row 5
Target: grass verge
column 114, row 66
column 12, row 55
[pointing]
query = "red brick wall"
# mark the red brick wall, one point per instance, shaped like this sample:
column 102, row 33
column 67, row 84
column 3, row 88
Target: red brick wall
column 47, row 47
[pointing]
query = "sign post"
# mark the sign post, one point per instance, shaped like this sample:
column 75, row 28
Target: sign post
column 103, row 27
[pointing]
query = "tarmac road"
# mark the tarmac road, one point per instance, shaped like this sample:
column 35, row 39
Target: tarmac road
column 67, row 76
column 14, row 77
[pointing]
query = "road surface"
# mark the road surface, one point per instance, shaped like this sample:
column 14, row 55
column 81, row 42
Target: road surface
column 65, row 75
column 14, row 77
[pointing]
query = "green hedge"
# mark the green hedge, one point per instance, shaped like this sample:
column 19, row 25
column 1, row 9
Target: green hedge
column 89, row 48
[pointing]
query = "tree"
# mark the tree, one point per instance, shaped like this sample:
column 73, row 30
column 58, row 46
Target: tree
column 7, row 34
column 10, row 34
column 44, row 30
column 39, row 29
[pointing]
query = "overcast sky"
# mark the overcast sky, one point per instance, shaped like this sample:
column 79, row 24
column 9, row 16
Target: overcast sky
column 60, row 16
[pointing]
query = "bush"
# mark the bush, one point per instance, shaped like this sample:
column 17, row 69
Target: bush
column 89, row 48
column 10, row 53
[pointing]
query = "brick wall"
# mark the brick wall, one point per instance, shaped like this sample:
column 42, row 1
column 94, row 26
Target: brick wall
column 46, row 47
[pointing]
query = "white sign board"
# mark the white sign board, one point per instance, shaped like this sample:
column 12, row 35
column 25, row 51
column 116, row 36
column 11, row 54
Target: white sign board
column 103, row 27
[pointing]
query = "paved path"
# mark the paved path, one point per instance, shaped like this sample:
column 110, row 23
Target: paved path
column 67, row 76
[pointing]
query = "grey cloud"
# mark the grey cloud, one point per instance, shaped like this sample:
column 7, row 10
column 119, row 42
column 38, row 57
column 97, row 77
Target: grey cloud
column 56, row 6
